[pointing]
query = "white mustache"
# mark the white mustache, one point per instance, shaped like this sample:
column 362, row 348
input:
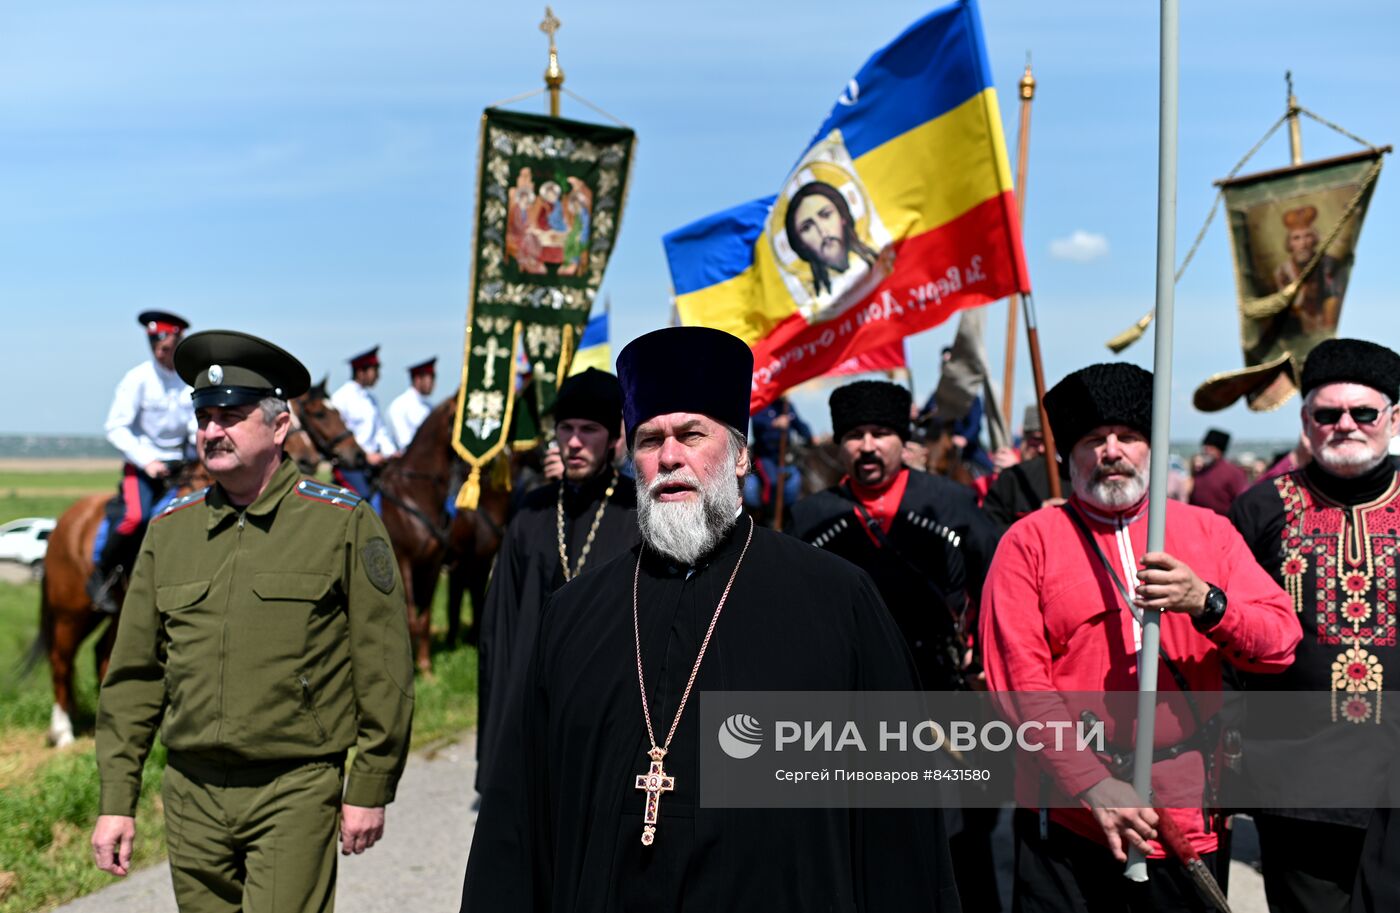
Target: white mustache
column 679, row 476
column 1121, row 467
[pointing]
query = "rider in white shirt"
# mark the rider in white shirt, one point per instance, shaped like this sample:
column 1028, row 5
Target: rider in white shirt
column 411, row 407
column 151, row 422
column 360, row 412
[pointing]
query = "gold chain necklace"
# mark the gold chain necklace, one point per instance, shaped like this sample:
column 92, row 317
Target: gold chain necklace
column 656, row 781
column 592, row 530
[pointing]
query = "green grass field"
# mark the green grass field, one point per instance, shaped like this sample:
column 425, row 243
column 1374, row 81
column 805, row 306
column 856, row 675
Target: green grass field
column 48, row 494
column 48, row 798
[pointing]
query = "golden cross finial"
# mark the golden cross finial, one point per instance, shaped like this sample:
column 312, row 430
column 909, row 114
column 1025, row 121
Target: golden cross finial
column 553, row 74
column 550, row 25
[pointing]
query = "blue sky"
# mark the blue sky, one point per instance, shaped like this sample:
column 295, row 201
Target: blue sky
column 305, row 170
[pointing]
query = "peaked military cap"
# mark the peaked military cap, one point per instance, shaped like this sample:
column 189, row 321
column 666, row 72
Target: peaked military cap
column 162, row 323
column 1111, row 393
column 423, row 367
column 367, row 359
column 686, row 369
column 1353, row 361
column 593, row 395
column 229, row 368
column 870, row 402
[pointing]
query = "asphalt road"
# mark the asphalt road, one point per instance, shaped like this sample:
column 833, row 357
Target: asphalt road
column 419, row 864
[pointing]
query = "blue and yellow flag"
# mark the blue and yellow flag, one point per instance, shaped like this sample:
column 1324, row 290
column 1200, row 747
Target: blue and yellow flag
column 899, row 213
column 594, row 351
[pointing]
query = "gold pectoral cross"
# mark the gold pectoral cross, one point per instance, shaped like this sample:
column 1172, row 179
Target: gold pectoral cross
column 654, row 782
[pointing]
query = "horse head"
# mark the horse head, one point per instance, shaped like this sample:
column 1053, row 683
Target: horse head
column 300, row 447
column 191, row 478
column 314, row 412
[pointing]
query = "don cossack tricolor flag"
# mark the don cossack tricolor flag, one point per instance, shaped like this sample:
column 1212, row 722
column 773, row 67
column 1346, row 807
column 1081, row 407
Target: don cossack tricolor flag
column 899, row 213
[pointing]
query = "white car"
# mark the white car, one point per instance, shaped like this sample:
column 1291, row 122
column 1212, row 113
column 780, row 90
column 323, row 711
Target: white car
column 26, row 541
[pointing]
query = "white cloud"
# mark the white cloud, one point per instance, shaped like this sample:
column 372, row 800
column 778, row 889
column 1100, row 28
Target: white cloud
column 1081, row 246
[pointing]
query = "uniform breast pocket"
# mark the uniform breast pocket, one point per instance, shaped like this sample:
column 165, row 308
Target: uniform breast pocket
column 282, row 616
column 179, row 604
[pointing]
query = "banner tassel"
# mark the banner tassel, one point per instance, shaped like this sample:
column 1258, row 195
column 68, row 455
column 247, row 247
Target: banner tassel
column 470, row 494
column 1131, row 335
column 500, row 473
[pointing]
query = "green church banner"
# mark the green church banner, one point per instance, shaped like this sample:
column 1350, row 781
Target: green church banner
column 549, row 203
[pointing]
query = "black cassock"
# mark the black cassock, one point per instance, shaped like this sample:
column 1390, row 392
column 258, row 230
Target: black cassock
column 563, row 833
column 527, row 572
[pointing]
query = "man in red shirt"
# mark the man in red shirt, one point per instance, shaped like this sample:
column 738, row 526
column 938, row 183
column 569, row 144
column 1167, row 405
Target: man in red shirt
column 1053, row 620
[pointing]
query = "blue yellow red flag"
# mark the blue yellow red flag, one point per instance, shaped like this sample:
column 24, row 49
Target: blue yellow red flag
column 594, row 350
column 899, row 213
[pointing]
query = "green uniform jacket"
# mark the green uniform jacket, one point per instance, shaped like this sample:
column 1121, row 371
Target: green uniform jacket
column 276, row 633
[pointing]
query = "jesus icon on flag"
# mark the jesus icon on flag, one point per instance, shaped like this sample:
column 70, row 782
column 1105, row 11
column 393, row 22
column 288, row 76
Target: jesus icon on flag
column 830, row 245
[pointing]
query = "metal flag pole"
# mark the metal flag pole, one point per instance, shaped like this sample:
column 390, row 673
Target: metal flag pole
column 1161, row 409
column 1023, row 145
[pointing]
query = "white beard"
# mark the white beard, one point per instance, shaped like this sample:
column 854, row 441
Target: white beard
column 1110, row 495
column 685, row 530
column 1354, row 462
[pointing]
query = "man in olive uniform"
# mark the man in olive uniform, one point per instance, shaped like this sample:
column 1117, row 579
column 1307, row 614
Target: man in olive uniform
column 264, row 632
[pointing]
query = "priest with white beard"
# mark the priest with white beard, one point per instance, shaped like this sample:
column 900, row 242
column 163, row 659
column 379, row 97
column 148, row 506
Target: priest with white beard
column 707, row 601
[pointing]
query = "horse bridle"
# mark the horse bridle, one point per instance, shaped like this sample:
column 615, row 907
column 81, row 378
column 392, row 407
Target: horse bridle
column 297, row 428
column 323, row 446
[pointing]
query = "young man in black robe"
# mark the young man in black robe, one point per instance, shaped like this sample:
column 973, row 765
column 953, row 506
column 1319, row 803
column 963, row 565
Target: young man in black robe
column 562, row 529
column 1327, row 534
column 567, row 833
column 927, row 546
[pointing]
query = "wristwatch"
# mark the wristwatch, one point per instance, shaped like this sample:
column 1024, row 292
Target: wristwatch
column 1216, row 604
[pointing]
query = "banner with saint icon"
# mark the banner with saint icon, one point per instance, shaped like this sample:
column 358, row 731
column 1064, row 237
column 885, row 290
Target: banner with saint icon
column 1293, row 233
column 898, row 214
column 549, row 203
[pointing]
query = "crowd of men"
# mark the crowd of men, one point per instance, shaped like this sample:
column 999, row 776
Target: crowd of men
column 263, row 632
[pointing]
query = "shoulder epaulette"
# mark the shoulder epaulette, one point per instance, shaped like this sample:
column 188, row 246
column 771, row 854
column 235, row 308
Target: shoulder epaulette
column 188, row 500
column 328, row 494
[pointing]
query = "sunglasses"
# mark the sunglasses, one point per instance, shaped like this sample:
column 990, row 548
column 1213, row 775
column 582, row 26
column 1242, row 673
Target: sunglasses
column 1362, row 415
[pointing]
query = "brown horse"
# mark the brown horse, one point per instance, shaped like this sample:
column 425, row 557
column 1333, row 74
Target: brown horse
column 477, row 536
column 414, row 488
column 66, row 614
column 299, row 446
column 313, row 413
